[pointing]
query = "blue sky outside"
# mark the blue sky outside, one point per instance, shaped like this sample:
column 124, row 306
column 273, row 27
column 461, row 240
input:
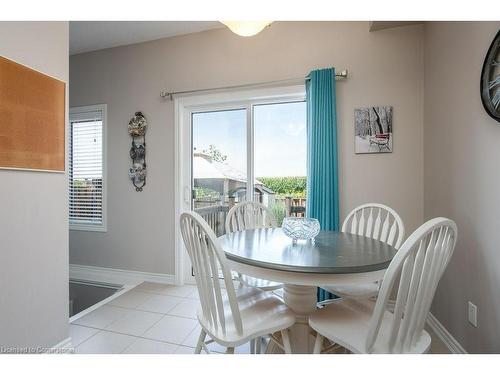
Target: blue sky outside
column 280, row 137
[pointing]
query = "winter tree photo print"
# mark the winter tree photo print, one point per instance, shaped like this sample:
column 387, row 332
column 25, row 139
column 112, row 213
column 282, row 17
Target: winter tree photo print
column 373, row 130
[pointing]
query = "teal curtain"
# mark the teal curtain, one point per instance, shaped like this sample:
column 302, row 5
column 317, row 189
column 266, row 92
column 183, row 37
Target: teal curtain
column 322, row 159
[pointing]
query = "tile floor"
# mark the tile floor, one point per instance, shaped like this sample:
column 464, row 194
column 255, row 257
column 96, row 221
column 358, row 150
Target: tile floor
column 151, row 318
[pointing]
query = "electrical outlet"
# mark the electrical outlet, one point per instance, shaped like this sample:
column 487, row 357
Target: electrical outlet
column 472, row 314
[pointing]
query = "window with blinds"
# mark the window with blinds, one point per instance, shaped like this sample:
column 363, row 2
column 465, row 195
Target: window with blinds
column 86, row 168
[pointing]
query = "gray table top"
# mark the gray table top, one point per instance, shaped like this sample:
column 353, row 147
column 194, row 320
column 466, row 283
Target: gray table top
column 331, row 252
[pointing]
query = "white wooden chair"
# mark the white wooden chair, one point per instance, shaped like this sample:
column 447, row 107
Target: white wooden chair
column 237, row 316
column 376, row 221
column 367, row 326
column 251, row 215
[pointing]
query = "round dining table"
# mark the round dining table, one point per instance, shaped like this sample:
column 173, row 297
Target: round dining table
column 332, row 258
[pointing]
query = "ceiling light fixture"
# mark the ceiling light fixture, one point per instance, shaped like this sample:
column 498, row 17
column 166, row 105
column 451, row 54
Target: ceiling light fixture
column 246, row 28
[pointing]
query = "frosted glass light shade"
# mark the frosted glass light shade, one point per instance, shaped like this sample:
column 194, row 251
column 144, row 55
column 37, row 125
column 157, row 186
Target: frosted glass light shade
column 246, row 28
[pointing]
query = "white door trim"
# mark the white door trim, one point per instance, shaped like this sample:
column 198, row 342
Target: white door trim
column 184, row 106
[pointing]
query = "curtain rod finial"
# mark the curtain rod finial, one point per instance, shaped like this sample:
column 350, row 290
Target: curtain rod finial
column 164, row 94
column 343, row 73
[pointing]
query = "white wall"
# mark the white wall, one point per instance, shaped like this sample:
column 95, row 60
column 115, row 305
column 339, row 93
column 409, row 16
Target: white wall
column 386, row 68
column 33, row 219
column 462, row 179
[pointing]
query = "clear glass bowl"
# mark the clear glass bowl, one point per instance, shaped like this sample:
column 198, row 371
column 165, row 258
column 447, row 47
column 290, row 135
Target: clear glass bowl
column 300, row 228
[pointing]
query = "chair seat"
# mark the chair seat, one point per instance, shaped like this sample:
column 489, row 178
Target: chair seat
column 356, row 291
column 261, row 313
column 262, row 284
column 346, row 323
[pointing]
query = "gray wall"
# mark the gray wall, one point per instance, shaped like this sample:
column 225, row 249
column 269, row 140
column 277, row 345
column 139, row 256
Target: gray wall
column 386, row 68
column 462, row 179
column 34, row 212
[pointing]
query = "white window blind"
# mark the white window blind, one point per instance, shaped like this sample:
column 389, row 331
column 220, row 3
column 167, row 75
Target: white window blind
column 86, row 168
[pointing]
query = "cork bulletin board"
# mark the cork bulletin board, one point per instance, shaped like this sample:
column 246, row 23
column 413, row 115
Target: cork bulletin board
column 32, row 119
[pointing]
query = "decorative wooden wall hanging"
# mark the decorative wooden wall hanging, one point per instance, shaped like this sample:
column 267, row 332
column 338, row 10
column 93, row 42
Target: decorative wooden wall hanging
column 137, row 130
column 32, row 119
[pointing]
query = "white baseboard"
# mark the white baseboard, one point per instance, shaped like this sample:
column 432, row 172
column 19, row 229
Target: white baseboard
column 64, row 347
column 116, row 276
column 442, row 333
column 451, row 343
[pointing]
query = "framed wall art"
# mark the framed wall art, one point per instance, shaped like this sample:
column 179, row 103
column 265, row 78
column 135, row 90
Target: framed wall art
column 373, row 130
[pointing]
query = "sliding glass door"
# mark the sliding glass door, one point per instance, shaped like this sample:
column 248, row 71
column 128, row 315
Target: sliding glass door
column 251, row 151
column 239, row 146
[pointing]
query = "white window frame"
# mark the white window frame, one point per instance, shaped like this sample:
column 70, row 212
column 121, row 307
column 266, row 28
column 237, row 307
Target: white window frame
column 103, row 108
column 184, row 107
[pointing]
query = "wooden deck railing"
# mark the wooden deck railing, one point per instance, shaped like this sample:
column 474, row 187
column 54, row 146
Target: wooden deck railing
column 215, row 216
